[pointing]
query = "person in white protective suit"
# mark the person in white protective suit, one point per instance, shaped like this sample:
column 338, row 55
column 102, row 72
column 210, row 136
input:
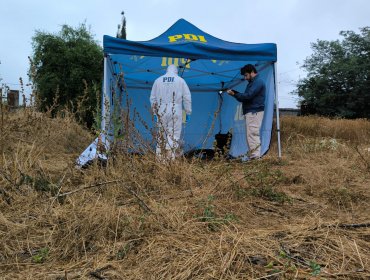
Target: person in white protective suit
column 168, row 96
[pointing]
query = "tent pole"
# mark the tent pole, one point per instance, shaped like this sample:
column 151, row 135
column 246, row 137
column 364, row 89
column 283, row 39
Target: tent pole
column 105, row 96
column 277, row 110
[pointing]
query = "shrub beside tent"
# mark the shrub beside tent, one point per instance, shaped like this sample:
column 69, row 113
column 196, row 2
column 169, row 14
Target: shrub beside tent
column 208, row 64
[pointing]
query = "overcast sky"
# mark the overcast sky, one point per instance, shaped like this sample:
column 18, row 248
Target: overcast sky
column 292, row 24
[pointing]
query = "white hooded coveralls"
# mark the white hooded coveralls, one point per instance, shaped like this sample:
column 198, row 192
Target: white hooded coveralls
column 169, row 93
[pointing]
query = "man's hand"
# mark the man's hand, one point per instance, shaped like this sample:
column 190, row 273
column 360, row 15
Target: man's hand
column 231, row 92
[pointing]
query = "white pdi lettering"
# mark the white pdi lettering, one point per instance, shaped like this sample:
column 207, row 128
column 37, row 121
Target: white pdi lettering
column 168, row 79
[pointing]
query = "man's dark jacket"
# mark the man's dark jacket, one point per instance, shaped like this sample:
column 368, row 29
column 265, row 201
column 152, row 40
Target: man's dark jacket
column 253, row 98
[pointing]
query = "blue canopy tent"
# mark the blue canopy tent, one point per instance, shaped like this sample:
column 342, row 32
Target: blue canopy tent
column 209, row 65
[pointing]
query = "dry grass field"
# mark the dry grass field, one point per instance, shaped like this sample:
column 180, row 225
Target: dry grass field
column 304, row 216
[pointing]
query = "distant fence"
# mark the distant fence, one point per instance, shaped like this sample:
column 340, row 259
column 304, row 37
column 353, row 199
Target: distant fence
column 288, row 112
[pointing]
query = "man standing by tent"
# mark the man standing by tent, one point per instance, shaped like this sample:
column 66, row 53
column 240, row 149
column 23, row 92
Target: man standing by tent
column 253, row 105
column 169, row 94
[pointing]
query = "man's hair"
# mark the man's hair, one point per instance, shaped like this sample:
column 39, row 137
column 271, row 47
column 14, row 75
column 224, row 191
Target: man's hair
column 249, row 68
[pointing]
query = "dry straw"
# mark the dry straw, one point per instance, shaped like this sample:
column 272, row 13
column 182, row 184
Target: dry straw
column 304, row 216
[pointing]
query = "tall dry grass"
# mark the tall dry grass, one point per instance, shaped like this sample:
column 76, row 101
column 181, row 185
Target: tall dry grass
column 304, row 216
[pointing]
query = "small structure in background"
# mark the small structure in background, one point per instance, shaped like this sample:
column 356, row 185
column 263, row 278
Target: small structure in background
column 13, row 98
column 9, row 98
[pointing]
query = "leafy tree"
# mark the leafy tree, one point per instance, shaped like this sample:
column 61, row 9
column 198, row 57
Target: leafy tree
column 66, row 70
column 121, row 33
column 338, row 80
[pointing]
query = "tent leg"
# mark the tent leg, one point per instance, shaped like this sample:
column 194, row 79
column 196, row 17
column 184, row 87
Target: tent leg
column 277, row 110
column 104, row 110
column 104, row 138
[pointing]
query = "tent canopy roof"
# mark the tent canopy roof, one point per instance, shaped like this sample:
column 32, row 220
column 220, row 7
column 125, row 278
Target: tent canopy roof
column 185, row 40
